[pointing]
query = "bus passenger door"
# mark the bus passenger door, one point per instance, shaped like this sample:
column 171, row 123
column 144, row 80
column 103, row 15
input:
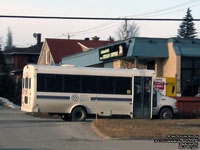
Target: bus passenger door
column 142, row 97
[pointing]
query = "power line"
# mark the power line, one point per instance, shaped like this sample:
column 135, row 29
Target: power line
column 90, row 31
column 103, row 29
column 165, row 9
column 149, row 13
column 103, row 25
column 171, row 12
column 93, row 28
column 93, row 18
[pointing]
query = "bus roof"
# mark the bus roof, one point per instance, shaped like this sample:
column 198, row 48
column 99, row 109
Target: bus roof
column 89, row 70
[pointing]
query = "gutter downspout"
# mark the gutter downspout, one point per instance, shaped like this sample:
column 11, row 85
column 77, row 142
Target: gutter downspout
column 136, row 62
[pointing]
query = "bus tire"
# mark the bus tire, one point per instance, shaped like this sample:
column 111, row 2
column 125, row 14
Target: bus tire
column 78, row 114
column 166, row 113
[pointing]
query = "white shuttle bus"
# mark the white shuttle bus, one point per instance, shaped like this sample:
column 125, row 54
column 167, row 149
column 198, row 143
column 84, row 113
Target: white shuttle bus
column 77, row 92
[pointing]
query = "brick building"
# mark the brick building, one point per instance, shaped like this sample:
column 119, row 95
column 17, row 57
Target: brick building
column 17, row 58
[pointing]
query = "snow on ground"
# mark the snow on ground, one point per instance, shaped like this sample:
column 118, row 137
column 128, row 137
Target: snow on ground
column 5, row 103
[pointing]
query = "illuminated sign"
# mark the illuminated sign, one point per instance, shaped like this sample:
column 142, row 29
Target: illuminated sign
column 112, row 52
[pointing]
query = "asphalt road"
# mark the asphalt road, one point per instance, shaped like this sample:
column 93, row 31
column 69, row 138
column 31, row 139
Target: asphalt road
column 19, row 131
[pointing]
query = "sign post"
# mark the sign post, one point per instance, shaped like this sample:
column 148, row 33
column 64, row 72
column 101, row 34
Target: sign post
column 96, row 110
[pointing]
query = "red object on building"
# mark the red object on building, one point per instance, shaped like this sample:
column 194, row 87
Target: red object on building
column 189, row 107
column 159, row 85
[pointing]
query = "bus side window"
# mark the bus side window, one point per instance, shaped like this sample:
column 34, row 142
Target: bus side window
column 105, row 85
column 54, row 83
column 123, row 85
column 41, row 78
column 89, row 84
column 72, row 83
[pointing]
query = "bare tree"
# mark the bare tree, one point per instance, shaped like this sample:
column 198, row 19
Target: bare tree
column 127, row 30
column 111, row 38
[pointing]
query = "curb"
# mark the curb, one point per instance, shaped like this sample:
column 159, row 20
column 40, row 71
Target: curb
column 99, row 133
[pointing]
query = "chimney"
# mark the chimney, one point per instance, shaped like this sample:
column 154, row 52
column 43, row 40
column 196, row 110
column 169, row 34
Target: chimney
column 38, row 38
column 95, row 38
column 87, row 39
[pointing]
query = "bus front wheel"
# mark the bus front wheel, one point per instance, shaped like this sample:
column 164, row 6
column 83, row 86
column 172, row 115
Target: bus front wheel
column 166, row 113
column 78, row 114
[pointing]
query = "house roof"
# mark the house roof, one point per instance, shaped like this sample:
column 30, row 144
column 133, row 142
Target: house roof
column 86, row 58
column 35, row 49
column 186, row 47
column 148, row 48
column 140, row 47
column 63, row 47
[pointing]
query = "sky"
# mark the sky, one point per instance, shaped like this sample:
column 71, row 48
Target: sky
column 23, row 29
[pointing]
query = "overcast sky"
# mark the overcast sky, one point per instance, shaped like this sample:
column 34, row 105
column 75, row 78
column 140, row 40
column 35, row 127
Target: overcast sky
column 23, row 29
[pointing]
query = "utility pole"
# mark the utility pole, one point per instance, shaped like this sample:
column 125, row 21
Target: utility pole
column 125, row 30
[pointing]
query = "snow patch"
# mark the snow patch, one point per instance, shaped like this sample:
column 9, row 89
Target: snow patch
column 5, row 103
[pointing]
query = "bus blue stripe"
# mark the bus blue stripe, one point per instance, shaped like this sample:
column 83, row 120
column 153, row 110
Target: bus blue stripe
column 110, row 99
column 53, row 97
column 92, row 98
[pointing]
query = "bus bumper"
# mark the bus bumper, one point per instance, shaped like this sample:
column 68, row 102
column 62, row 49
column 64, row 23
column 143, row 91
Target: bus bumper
column 29, row 109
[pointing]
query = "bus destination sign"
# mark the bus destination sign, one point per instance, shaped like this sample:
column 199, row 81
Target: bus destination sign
column 112, row 52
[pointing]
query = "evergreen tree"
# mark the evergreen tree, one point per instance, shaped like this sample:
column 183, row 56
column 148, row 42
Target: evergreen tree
column 9, row 42
column 0, row 43
column 186, row 28
column 2, row 63
column 3, row 77
column 8, row 87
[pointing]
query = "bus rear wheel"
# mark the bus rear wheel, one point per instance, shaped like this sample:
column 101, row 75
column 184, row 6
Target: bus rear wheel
column 78, row 114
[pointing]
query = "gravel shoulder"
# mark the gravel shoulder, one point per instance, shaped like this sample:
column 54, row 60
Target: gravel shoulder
column 147, row 129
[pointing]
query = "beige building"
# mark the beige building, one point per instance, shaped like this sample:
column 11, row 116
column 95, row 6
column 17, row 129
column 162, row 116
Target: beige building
column 174, row 57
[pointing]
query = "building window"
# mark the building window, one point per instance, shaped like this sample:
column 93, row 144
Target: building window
column 47, row 57
column 190, row 76
column 151, row 65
